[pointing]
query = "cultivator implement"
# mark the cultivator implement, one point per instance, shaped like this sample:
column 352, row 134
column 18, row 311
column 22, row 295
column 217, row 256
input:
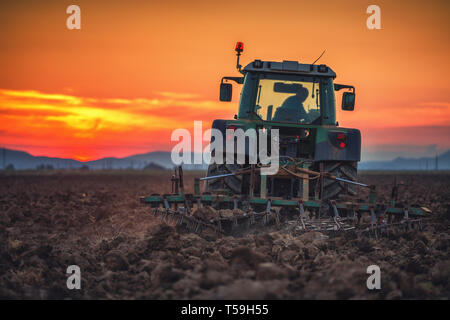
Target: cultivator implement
column 317, row 162
column 238, row 214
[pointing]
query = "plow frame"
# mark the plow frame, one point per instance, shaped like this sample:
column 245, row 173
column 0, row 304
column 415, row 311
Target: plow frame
column 341, row 215
column 208, row 199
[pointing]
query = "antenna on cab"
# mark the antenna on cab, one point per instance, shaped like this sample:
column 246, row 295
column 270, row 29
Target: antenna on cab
column 319, row 57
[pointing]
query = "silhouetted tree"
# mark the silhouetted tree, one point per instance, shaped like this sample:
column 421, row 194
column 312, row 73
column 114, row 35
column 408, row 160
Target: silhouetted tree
column 153, row 166
column 45, row 167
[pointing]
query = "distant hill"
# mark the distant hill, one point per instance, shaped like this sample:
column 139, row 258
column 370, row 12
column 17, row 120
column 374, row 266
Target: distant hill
column 400, row 163
column 24, row 161
column 161, row 160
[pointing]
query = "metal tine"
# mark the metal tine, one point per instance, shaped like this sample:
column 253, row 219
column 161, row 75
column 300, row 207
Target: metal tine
column 267, row 214
column 235, row 203
column 171, row 216
column 389, row 222
column 189, row 224
column 247, row 224
column 188, row 209
column 197, row 227
column 302, row 215
column 373, row 220
column 167, row 207
column 353, row 216
column 383, row 225
column 164, row 215
column 166, row 204
column 180, row 220
column 406, row 218
column 277, row 219
column 336, row 214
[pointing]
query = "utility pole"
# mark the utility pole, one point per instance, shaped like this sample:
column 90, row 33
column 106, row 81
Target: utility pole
column 436, row 163
column 4, row 158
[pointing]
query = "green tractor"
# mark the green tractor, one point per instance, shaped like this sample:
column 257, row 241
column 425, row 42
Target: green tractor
column 298, row 100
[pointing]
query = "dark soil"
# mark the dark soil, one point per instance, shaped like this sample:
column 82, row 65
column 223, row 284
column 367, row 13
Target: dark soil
column 95, row 221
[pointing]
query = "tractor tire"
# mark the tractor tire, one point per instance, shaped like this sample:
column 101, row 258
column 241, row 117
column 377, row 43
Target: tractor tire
column 332, row 189
column 232, row 184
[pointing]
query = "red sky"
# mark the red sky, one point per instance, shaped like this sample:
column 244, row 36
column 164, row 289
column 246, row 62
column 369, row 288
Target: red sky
column 139, row 69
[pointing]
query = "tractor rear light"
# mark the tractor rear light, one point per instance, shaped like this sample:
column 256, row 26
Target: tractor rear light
column 341, row 139
column 239, row 47
column 230, row 136
column 340, row 136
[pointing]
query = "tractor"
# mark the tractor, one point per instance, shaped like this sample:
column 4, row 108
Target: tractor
column 299, row 100
column 313, row 186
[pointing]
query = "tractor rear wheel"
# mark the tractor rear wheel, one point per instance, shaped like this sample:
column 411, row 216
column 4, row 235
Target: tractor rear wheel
column 232, row 184
column 332, row 189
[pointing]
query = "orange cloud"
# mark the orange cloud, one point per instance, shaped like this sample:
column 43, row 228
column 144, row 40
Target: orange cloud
column 83, row 127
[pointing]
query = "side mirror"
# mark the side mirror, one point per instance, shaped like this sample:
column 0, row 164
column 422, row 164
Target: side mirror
column 348, row 101
column 226, row 92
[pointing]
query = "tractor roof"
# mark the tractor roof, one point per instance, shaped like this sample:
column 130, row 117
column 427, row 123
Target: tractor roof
column 292, row 67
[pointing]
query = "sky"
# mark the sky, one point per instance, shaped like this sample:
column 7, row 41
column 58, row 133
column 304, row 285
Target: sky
column 137, row 70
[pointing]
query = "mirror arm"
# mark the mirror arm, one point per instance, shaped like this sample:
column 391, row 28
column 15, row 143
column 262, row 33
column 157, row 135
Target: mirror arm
column 238, row 80
column 338, row 87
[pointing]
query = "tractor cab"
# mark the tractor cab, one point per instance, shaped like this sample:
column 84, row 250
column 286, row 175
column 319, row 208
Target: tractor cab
column 297, row 100
column 287, row 91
